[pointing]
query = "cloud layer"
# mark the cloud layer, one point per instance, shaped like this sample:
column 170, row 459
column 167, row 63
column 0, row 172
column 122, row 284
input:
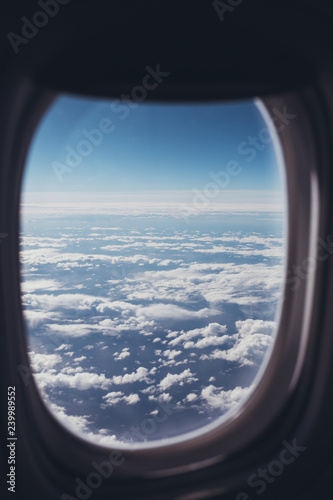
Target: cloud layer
column 141, row 320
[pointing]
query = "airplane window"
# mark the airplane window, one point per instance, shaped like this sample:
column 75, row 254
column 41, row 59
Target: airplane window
column 152, row 249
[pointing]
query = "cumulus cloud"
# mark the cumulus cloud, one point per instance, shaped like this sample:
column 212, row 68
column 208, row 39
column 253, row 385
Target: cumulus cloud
column 190, row 398
column 36, row 318
column 63, row 347
column 42, row 362
column 224, row 400
column 80, row 358
column 40, row 284
column 69, row 370
column 75, row 423
column 140, row 375
column 33, row 241
column 255, row 326
column 177, row 378
column 171, row 354
column 207, row 342
column 210, row 333
column 149, row 283
column 69, row 260
column 66, row 301
column 241, row 284
column 106, row 327
column 81, row 424
column 123, row 355
column 71, row 330
column 250, row 343
column 164, row 397
column 167, row 311
column 113, row 398
column 80, row 381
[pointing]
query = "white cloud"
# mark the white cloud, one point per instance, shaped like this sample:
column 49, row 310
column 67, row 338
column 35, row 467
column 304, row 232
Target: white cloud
column 113, row 398
column 69, row 370
column 171, row 311
column 37, row 317
column 207, row 342
column 71, row 330
column 40, row 284
column 140, row 375
column 63, row 347
column 80, row 425
column 132, row 399
column 251, row 341
column 164, row 397
column 41, row 362
column 81, row 358
column 177, row 378
column 67, row 301
column 211, row 331
column 69, row 260
column 255, row 326
column 33, row 241
column 143, row 301
column 190, row 398
column 81, row 380
column 178, row 204
column 124, row 354
column 75, row 423
column 274, row 251
column 224, row 400
column 241, row 284
column 106, row 327
column 168, row 262
column 171, row 354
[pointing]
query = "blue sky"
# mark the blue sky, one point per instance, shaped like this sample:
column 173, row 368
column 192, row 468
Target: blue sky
column 150, row 147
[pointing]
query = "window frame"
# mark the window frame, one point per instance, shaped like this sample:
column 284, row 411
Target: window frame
column 280, row 380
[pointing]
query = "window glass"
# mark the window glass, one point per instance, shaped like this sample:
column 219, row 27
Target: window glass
column 152, row 262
